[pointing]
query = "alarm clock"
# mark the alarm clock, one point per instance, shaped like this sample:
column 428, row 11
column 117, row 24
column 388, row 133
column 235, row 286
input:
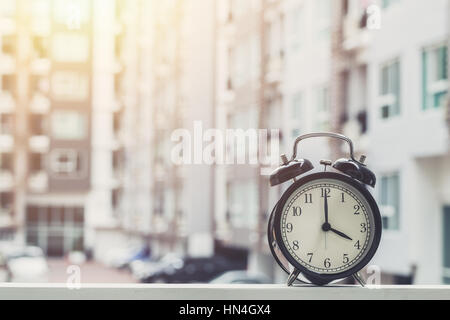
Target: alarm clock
column 326, row 226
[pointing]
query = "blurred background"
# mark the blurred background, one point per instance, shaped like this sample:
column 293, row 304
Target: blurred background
column 92, row 90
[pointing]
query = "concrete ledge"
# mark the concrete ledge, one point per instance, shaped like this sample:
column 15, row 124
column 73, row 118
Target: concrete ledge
column 218, row 292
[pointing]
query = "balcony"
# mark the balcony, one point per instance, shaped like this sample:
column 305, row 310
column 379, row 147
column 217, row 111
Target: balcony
column 7, row 102
column 40, row 66
column 203, row 292
column 5, row 218
column 39, row 104
column 6, row 142
column 356, row 37
column 38, row 182
column 6, row 180
column 7, row 64
column 41, row 27
column 274, row 69
column 39, row 144
column 7, row 25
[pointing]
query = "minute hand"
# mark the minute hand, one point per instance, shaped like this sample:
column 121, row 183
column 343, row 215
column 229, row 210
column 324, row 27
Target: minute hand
column 326, row 208
column 343, row 235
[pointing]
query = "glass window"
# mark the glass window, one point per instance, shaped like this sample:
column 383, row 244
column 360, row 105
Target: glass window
column 322, row 108
column 296, row 111
column 68, row 125
column 67, row 162
column 243, row 203
column 297, row 27
column 323, row 14
column 71, row 86
column 390, row 89
column 446, row 244
column 387, row 3
column 70, row 48
column 390, row 201
column 435, row 76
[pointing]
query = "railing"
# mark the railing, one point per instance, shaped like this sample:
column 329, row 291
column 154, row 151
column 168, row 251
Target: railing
column 218, row 292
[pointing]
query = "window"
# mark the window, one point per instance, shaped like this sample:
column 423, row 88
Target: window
column 323, row 21
column 322, row 108
column 6, row 200
column 67, row 163
column 296, row 111
column 446, row 244
column 58, row 230
column 390, row 201
column 36, row 162
column 72, row 86
column 6, row 123
column 6, row 161
column 70, row 48
column 37, row 124
column 435, row 76
column 297, row 27
column 68, row 125
column 390, row 89
column 387, row 3
column 243, row 203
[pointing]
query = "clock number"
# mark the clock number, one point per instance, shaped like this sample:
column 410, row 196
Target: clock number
column 308, row 197
column 363, row 228
column 295, row 245
column 310, row 255
column 357, row 245
column 343, row 197
column 345, row 259
column 327, row 263
column 326, row 192
column 357, row 208
column 289, row 227
column 296, row 211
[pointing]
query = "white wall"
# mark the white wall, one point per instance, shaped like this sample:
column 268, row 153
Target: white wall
column 414, row 142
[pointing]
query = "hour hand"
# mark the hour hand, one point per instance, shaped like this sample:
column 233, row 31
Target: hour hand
column 341, row 234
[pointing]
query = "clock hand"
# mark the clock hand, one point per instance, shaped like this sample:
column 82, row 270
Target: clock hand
column 341, row 234
column 326, row 208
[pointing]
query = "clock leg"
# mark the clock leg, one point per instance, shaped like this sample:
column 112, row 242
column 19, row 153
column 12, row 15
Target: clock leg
column 292, row 277
column 359, row 279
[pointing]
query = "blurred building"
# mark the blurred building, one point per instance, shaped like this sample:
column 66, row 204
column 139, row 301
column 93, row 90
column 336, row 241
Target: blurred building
column 391, row 87
column 273, row 72
column 91, row 93
column 46, row 125
column 165, row 83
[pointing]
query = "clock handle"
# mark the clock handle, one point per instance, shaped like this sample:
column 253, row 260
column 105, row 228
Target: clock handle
column 324, row 134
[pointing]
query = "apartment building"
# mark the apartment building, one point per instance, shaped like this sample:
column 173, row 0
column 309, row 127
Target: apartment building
column 273, row 72
column 165, row 84
column 46, row 151
column 391, row 89
column 58, row 112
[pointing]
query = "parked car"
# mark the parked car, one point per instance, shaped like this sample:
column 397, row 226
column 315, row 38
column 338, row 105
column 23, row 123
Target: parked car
column 27, row 264
column 143, row 269
column 121, row 258
column 244, row 277
column 194, row 270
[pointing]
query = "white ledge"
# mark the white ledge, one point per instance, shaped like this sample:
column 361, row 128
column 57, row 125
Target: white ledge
column 218, row 292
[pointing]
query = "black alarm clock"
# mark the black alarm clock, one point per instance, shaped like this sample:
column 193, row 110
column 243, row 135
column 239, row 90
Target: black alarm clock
column 326, row 226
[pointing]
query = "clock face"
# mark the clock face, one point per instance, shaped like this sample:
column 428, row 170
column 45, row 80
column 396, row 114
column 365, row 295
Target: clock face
column 327, row 226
